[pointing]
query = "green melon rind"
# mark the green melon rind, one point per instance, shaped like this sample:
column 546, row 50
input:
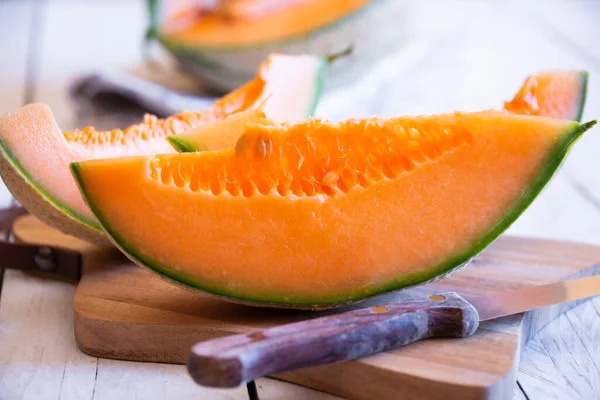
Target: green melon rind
column 320, row 85
column 584, row 76
column 35, row 185
column 183, row 145
column 445, row 268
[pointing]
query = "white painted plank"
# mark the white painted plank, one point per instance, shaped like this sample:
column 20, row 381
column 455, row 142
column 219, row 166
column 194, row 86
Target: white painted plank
column 127, row 380
column 270, row 389
column 38, row 359
column 573, row 23
column 118, row 379
column 561, row 362
column 82, row 37
column 538, row 375
column 519, row 395
column 589, row 318
column 15, row 18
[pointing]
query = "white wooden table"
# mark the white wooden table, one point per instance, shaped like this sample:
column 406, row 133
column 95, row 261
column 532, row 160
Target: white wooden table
column 464, row 55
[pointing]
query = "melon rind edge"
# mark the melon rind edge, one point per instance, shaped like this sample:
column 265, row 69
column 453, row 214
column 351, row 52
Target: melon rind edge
column 42, row 204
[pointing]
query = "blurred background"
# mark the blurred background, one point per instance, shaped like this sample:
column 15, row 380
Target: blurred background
column 411, row 57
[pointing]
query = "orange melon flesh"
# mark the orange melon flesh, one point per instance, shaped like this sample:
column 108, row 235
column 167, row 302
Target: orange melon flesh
column 558, row 94
column 250, row 22
column 320, row 214
column 217, row 135
column 33, row 149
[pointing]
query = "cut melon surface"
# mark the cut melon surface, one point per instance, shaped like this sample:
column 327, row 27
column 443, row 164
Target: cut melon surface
column 241, row 24
column 218, row 135
column 557, row 94
column 316, row 214
column 35, row 154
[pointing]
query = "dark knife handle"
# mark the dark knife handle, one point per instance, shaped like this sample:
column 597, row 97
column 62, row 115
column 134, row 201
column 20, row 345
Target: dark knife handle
column 32, row 257
column 234, row 360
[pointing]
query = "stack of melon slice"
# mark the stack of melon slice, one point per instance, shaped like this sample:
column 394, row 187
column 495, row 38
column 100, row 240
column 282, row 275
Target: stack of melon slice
column 36, row 155
column 309, row 214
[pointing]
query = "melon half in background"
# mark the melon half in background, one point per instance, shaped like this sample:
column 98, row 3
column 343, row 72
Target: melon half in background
column 221, row 43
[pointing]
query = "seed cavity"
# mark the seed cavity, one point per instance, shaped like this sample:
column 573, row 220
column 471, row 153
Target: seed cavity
column 362, row 180
column 165, row 175
column 283, row 190
column 307, row 188
column 150, row 128
column 248, row 189
column 330, row 178
column 313, row 158
column 264, row 187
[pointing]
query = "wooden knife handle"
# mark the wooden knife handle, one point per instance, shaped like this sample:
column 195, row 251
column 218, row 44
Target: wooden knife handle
column 234, row 360
column 32, row 257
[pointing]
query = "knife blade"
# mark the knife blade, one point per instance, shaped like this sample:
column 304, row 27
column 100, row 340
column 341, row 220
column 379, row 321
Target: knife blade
column 531, row 298
column 235, row 360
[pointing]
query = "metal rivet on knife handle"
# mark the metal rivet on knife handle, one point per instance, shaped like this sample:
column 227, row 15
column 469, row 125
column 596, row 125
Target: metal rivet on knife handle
column 436, row 297
column 45, row 259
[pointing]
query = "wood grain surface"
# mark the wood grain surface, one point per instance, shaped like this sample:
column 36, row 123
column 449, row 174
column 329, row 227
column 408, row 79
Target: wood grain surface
column 125, row 312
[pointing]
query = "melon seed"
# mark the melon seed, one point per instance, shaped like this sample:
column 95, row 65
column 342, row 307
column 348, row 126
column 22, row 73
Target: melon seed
column 240, row 146
column 330, row 178
column 263, row 147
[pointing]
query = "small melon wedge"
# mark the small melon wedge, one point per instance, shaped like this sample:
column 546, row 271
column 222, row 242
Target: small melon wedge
column 221, row 134
column 557, row 94
column 316, row 214
column 35, row 154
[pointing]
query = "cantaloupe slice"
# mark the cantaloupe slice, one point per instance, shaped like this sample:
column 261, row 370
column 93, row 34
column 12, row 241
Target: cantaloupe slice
column 35, row 155
column 221, row 134
column 558, row 94
column 317, row 214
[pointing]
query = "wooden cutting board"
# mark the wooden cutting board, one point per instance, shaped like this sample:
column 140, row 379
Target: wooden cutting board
column 125, row 312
